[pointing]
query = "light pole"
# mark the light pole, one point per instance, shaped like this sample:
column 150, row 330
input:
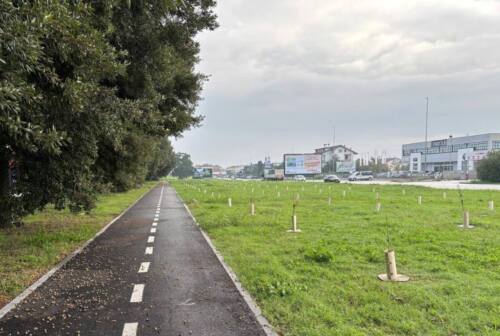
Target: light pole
column 426, row 131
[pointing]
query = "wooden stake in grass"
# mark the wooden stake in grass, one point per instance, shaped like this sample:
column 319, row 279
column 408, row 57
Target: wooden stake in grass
column 279, row 194
column 419, row 200
column 378, row 206
column 391, row 269
column 344, row 193
column 491, row 205
column 444, row 195
column 466, row 215
column 252, row 208
column 404, row 192
column 295, row 228
column 329, row 201
column 390, row 263
column 230, row 202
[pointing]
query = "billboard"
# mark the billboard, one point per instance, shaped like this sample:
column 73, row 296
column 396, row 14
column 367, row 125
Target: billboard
column 199, row 173
column 302, row 164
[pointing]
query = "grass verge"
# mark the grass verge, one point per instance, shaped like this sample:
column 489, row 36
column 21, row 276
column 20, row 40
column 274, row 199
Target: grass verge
column 29, row 251
column 323, row 281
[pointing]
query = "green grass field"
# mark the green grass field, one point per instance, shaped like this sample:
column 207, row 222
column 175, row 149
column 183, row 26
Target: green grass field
column 323, row 281
column 47, row 237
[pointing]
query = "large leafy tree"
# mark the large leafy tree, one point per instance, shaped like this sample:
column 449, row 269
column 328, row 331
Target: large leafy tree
column 183, row 165
column 52, row 62
column 157, row 41
column 89, row 93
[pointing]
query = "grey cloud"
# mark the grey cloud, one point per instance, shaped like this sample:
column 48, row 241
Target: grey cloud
column 283, row 72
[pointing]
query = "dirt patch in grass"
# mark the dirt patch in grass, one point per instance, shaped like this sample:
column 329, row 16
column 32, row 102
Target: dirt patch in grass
column 3, row 301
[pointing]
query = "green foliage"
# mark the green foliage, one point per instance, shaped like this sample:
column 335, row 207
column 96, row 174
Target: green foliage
column 489, row 168
column 90, row 92
column 320, row 253
column 280, row 288
column 183, row 165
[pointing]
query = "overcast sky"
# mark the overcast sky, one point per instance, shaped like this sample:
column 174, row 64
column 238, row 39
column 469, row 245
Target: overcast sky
column 284, row 73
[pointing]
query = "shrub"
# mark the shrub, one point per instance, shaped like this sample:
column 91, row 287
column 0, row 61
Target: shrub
column 489, row 168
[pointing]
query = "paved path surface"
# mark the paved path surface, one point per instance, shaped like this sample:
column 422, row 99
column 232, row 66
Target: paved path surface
column 150, row 273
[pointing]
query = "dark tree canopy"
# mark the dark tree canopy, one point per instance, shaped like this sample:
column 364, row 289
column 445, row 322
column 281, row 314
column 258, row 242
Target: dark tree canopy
column 90, row 91
column 183, row 166
column 489, row 168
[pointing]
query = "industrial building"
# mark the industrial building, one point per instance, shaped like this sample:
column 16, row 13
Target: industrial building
column 460, row 154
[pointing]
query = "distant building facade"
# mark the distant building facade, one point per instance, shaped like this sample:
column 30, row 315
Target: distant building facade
column 459, row 154
column 341, row 157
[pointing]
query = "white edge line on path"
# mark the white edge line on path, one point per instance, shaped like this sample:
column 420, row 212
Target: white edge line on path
column 18, row 299
column 268, row 329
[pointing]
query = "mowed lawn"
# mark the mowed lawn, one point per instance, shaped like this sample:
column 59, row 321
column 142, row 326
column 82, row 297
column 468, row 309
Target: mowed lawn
column 323, row 281
column 27, row 252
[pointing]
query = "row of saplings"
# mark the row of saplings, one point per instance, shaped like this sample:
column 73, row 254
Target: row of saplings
column 390, row 255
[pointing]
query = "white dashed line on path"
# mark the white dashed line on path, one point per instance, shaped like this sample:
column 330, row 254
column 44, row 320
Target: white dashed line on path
column 137, row 293
column 144, row 267
column 130, row 329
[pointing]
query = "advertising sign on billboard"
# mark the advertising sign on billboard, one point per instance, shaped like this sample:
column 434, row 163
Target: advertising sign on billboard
column 302, row 164
column 199, row 173
column 345, row 166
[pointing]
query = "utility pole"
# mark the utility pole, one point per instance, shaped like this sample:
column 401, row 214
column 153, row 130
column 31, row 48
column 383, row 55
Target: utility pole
column 333, row 136
column 426, row 131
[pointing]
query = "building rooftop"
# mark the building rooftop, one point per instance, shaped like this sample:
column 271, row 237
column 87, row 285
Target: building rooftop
column 332, row 148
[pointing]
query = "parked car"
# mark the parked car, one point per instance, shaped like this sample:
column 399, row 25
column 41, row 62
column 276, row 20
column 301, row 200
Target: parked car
column 331, row 178
column 299, row 178
column 361, row 176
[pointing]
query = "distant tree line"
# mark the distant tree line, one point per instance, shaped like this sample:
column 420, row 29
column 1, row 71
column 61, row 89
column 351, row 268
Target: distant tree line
column 90, row 91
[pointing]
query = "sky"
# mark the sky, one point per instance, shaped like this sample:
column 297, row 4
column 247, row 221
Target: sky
column 285, row 74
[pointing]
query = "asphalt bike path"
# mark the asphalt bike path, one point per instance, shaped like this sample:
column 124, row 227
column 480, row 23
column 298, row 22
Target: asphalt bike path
column 150, row 273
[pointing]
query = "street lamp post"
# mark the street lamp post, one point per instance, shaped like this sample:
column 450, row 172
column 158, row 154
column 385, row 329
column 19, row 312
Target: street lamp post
column 426, row 131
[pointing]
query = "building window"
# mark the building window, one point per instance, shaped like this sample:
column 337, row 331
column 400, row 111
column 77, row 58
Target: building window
column 496, row 144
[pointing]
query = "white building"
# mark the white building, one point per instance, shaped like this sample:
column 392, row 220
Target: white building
column 453, row 154
column 343, row 157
